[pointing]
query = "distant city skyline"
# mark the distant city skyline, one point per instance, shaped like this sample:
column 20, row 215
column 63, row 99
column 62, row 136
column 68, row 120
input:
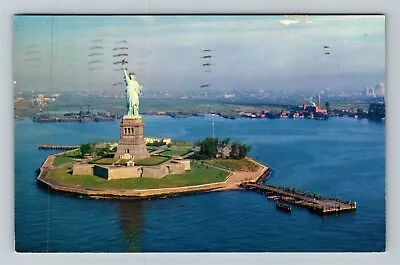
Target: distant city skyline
column 250, row 53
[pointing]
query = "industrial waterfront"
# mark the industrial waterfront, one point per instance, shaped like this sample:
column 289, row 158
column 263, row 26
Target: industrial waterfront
column 340, row 157
column 375, row 111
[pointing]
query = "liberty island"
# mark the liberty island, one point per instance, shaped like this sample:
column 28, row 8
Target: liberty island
column 214, row 153
column 164, row 171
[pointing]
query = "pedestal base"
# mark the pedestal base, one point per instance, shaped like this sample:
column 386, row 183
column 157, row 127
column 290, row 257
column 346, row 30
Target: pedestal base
column 131, row 141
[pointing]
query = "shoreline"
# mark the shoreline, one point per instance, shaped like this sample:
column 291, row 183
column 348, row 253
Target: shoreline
column 232, row 182
column 228, row 117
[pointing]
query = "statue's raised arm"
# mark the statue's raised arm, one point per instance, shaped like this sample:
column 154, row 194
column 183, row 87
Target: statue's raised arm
column 123, row 62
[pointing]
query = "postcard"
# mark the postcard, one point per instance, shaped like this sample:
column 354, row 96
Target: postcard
column 172, row 133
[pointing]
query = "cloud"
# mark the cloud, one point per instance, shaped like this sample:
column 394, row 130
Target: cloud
column 288, row 20
column 255, row 49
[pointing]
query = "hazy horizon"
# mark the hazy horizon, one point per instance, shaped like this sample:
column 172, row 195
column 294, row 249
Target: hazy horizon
column 249, row 52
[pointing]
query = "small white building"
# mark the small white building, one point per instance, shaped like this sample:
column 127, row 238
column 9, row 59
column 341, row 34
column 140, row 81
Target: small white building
column 126, row 156
column 223, row 151
column 157, row 139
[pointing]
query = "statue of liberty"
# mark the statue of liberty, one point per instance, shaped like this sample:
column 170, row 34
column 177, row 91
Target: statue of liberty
column 133, row 90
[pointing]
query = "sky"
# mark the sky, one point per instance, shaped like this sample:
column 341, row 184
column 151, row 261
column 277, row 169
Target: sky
column 249, row 53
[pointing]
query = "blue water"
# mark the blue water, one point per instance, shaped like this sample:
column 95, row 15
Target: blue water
column 341, row 157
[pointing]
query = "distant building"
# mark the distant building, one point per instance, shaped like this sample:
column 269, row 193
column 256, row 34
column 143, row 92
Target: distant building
column 40, row 100
column 21, row 103
column 376, row 91
column 229, row 95
column 380, row 90
column 224, row 151
column 150, row 140
column 314, row 108
column 283, row 114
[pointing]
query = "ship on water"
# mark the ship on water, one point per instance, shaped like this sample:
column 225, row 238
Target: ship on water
column 283, row 206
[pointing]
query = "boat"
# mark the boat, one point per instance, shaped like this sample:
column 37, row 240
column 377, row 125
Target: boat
column 229, row 117
column 104, row 119
column 45, row 119
column 283, row 206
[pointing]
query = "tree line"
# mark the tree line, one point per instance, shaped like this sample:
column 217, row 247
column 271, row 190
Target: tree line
column 91, row 149
column 209, row 148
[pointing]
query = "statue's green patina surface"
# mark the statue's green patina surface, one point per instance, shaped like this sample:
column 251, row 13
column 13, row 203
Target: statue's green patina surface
column 133, row 90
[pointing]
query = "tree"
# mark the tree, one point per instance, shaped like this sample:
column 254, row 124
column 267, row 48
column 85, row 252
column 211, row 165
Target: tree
column 235, row 150
column 243, row 150
column 101, row 153
column 197, row 143
column 86, row 149
column 156, row 143
column 226, row 141
column 208, row 147
column 239, row 151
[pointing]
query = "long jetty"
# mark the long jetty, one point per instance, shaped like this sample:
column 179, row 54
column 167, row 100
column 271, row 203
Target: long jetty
column 57, row 147
column 313, row 203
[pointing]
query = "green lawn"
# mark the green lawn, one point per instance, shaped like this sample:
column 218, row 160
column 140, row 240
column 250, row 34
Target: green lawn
column 66, row 158
column 151, row 148
column 175, row 151
column 182, row 144
column 59, row 160
column 151, row 161
column 199, row 174
column 233, row 164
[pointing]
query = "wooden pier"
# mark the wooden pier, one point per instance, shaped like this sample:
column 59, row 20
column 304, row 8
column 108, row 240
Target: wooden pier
column 58, row 147
column 315, row 204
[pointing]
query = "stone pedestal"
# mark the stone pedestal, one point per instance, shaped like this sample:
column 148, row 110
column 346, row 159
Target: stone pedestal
column 131, row 141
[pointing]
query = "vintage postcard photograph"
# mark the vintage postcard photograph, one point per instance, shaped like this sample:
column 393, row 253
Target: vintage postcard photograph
column 173, row 133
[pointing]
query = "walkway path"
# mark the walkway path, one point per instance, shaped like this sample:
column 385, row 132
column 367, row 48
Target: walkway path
column 237, row 177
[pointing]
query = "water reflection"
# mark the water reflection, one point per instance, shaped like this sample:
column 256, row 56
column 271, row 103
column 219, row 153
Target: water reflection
column 131, row 218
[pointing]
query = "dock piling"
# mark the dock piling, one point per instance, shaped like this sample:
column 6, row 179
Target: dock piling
column 314, row 204
column 57, row 147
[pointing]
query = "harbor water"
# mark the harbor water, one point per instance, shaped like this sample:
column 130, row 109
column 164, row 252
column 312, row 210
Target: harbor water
column 341, row 157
